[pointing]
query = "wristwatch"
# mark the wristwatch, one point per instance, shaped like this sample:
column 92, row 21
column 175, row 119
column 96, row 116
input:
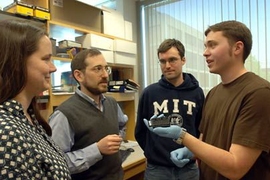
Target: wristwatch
column 181, row 137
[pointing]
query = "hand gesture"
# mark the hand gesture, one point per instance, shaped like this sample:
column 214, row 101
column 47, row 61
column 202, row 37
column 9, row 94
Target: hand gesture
column 109, row 144
column 180, row 157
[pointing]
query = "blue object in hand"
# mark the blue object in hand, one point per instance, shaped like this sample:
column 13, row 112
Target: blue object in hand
column 173, row 131
column 180, row 157
column 146, row 122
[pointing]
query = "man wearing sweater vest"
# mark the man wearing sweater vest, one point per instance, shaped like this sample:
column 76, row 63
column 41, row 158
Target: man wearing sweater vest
column 86, row 126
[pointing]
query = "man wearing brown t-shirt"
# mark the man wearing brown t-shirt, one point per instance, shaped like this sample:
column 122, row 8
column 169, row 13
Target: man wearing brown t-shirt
column 235, row 126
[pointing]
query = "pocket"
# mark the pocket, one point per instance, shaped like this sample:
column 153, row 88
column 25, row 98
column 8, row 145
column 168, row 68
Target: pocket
column 151, row 166
column 192, row 166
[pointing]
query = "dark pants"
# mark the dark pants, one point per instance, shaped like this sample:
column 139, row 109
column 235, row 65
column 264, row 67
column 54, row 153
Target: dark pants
column 188, row 172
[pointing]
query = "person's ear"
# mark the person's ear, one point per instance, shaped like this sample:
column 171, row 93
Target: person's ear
column 78, row 75
column 238, row 47
column 183, row 60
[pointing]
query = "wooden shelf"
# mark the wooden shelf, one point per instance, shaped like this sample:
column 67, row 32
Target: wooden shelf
column 120, row 97
column 59, row 30
column 66, row 25
column 57, row 99
column 77, row 14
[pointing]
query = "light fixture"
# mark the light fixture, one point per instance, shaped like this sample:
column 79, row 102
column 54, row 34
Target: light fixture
column 99, row 3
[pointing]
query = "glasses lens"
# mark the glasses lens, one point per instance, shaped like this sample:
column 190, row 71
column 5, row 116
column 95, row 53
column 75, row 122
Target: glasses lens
column 109, row 70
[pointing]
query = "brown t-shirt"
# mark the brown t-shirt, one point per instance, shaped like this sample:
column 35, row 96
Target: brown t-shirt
column 239, row 113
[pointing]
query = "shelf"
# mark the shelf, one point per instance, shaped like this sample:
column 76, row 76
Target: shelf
column 61, row 59
column 77, row 14
column 60, row 30
column 43, row 99
column 65, row 25
column 56, row 100
column 129, row 96
column 37, row 21
column 57, row 29
column 62, row 93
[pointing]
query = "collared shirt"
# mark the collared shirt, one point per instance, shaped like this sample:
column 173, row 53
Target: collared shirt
column 79, row 160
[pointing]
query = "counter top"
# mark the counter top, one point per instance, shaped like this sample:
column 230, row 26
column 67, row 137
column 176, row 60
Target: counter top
column 135, row 162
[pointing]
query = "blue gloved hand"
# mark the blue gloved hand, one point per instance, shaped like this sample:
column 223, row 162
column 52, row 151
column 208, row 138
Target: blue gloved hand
column 180, row 157
column 146, row 122
column 172, row 131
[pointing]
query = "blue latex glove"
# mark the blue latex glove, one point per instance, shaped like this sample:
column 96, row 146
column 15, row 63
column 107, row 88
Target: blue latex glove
column 146, row 121
column 154, row 116
column 180, row 157
column 173, row 131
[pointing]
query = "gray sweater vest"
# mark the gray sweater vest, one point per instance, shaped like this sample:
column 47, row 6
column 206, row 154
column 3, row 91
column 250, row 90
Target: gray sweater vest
column 90, row 125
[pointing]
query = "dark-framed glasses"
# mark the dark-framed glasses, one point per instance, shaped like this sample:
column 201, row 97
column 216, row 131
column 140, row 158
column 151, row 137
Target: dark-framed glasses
column 171, row 61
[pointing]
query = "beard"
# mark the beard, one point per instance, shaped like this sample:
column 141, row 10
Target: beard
column 96, row 90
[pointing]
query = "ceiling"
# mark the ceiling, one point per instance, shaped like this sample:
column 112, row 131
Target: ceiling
column 99, row 3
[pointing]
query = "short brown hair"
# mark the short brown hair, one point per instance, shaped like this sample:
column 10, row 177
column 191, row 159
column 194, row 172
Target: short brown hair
column 168, row 44
column 78, row 61
column 234, row 31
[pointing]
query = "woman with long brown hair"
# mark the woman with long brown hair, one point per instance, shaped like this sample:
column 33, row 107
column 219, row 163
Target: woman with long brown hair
column 26, row 150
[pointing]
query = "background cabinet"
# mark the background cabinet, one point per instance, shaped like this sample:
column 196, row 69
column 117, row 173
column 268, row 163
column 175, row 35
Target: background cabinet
column 59, row 32
column 67, row 23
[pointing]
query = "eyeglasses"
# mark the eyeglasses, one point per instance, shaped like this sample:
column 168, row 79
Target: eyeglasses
column 171, row 61
column 100, row 69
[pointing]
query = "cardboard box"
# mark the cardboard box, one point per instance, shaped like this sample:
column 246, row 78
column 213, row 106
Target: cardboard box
column 20, row 8
column 125, row 58
column 95, row 41
column 103, row 44
column 108, row 55
column 39, row 3
column 128, row 31
column 69, row 43
column 113, row 23
column 43, row 4
column 125, row 46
